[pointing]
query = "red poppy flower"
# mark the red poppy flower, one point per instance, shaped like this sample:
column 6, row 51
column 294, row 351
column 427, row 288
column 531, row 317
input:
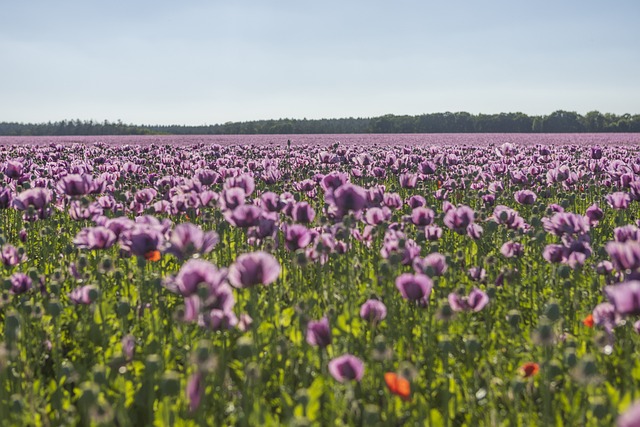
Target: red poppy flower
column 398, row 385
column 152, row 256
column 588, row 321
column 529, row 369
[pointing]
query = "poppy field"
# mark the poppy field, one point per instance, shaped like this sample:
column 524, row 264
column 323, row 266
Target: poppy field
column 319, row 282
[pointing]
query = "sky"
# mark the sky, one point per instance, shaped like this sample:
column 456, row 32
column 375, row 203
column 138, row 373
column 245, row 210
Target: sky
column 206, row 62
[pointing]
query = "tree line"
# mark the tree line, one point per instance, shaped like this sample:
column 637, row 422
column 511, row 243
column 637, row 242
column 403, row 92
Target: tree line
column 459, row 122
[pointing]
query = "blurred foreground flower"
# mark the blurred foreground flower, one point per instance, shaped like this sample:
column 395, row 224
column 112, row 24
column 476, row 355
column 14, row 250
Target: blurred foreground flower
column 529, row 369
column 475, row 301
column 398, row 385
column 346, row 367
column 373, row 310
column 319, row 333
column 188, row 239
column 256, row 268
column 588, row 321
column 625, row 297
column 631, row 417
column 415, row 287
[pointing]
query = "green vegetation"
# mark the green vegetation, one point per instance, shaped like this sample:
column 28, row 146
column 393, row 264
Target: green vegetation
column 460, row 122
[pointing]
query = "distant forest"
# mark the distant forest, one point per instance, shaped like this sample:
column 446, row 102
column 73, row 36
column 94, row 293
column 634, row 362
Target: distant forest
column 460, row 122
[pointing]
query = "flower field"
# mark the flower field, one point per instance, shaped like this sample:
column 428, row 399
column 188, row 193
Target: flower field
column 399, row 280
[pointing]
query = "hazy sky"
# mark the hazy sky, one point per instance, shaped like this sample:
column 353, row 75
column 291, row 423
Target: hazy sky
column 197, row 62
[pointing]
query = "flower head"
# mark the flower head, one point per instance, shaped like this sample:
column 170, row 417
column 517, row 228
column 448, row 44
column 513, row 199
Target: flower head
column 319, row 333
column 346, row 367
column 415, row 287
column 529, row 369
column 625, row 297
column 256, row 268
column 373, row 310
column 398, row 385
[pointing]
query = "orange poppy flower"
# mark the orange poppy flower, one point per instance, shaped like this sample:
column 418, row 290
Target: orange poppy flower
column 152, row 256
column 529, row 369
column 588, row 321
column 398, row 385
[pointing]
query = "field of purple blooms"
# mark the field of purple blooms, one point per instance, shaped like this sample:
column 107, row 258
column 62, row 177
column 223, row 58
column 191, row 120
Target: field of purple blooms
column 381, row 280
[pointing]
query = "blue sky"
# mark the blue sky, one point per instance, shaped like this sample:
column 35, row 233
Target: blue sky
column 206, row 62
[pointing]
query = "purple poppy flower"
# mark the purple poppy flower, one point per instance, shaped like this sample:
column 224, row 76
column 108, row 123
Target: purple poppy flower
column 511, row 249
column 427, row 168
column 618, row 200
column 95, row 238
column 296, row 236
column 509, row 217
column 208, row 197
column 83, row 295
column 392, row 200
column 303, row 213
column 195, row 391
column 207, row 177
column 477, row 273
column 432, row 232
column 192, row 308
column 489, row 199
column 373, row 310
column 554, row 253
column 271, row 202
column 128, row 347
column 604, row 314
column 525, row 197
column 474, row 231
column 631, row 417
column 195, row 272
column 11, row 256
column 375, row 195
column 142, row 240
column 624, row 255
column 6, row 197
column 244, row 216
column 334, row 180
column 348, row 198
column 566, row 223
column 119, row 225
column 434, row 264
column 408, row 180
column 604, row 267
column 625, row 297
column 422, row 216
column 415, row 287
column 596, row 153
column 475, row 301
column 188, row 239
column 13, row 169
column 231, row 198
column 458, row 219
column 346, row 367
column 416, row 201
column 626, row 233
column 38, row 198
column 256, row 268
column 218, row 320
column 145, row 196
column 594, row 214
column 375, row 215
column 20, row 283
column 319, row 333
column 76, row 185
column 244, row 181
